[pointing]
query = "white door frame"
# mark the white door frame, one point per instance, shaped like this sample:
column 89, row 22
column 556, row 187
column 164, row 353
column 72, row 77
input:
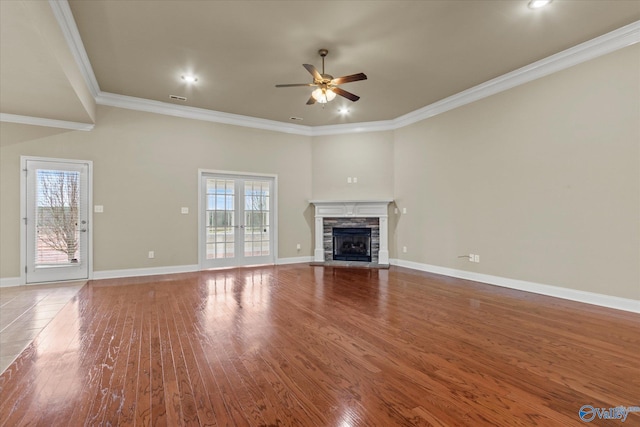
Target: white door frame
column 234, row 175
column 23, row 211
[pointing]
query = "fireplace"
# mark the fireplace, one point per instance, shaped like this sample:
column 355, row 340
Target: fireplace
column 359, row 214
column 352, row 244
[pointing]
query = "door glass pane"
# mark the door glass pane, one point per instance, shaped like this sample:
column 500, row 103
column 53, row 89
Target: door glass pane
column 57, row 207
column 220, row 218
column 256, row 212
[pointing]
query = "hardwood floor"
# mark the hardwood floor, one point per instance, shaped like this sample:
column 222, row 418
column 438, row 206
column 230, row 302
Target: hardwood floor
column 321, row 346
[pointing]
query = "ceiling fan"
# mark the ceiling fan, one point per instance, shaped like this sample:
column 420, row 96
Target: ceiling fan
column 327, row 86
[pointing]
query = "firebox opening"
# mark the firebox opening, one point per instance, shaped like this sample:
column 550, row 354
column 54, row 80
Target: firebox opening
column 352, row 244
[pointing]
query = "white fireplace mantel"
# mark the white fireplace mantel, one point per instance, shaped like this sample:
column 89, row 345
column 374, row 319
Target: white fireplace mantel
column 352, row 209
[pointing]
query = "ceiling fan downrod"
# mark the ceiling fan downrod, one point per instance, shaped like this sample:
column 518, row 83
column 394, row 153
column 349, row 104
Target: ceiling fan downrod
column 323, row 53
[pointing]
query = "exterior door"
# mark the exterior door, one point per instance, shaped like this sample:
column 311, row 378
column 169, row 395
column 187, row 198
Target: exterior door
column 237, row 220
column 56, row 224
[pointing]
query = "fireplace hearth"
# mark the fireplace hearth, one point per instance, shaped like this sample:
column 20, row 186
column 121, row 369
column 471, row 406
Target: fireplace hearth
column 352, row 244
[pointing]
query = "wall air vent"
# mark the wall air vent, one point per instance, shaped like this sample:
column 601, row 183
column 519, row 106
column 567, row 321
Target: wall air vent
column 177, row 98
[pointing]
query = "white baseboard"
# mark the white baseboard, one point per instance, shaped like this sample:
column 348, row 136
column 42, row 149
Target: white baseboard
column 294, row 260
column 609, row 301
column 6, row 282
column 113, row 274
column 132, row 272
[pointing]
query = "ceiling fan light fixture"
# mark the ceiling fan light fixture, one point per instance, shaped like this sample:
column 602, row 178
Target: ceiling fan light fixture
column 323, row 95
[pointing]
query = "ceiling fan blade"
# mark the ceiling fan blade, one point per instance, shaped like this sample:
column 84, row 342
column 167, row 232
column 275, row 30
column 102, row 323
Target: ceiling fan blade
column 347, row 79
column 311, row 101
column 297, row 84
column 311, row 69
column 346, row 94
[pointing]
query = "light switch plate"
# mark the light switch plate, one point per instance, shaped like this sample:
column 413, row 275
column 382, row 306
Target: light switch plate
column 184, row 210
column 98, row 209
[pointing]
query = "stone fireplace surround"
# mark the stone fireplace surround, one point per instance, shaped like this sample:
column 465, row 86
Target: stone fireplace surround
column 344, row 230
column 365, row 212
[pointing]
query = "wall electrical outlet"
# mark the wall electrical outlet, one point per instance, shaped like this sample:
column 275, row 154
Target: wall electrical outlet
column 355, row 179
column 476, row 258
column 184, row 210
column 298, row 246
column 404, row 249
column 348, row 180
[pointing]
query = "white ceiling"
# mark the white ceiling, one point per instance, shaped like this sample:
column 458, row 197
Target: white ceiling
column 414, row 53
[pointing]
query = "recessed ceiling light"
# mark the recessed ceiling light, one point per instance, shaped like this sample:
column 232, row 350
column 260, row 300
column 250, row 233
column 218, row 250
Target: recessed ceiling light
column 343, row 110
column 537, row 4
column 189, row 78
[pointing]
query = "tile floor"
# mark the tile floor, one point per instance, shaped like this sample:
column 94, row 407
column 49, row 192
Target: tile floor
column 25, row 311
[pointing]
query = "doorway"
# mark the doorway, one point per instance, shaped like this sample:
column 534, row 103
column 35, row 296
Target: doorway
column 237, row 220
column 55, row 219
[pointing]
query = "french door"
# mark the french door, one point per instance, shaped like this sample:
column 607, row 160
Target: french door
column 55, row 220
column 237, row 221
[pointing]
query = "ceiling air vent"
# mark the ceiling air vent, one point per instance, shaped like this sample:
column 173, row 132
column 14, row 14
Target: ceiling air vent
column 298, row 119
column 177, row 98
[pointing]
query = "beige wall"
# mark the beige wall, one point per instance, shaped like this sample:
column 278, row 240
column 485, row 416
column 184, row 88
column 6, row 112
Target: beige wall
column 366, row 156
column 145, row 170
column 542, row 181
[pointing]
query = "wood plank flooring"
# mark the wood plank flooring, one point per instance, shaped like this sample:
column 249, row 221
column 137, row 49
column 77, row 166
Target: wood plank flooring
column 305, row 345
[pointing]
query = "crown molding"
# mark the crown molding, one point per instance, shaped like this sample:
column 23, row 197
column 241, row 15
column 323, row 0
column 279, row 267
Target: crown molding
column 39, row 121
column 607, row 43
column 64, row 16
column 347, row 128
column 158, row 107
column 602, row 45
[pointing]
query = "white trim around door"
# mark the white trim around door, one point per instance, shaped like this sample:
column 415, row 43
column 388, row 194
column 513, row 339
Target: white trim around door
column 237, row 219
column 56, row 224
